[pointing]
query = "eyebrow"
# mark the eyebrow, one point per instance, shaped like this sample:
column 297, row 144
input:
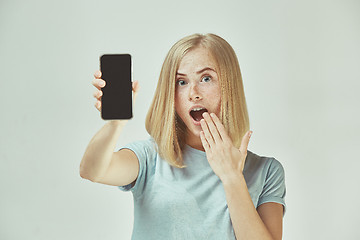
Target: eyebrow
column 198, row 72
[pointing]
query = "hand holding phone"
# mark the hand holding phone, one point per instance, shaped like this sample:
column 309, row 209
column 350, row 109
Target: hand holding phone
column 100, row 83
column 116, row 100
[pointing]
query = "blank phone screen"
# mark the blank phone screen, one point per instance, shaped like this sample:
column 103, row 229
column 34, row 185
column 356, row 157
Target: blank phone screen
column 116, row 102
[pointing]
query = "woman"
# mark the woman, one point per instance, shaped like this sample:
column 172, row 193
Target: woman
column 194, row 177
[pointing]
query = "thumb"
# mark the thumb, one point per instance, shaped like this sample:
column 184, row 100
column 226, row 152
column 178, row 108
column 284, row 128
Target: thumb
column 135, row 89
column 243, row 148
column 245, row 142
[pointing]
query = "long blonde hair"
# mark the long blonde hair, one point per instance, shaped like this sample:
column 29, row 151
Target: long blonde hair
column 162, row 122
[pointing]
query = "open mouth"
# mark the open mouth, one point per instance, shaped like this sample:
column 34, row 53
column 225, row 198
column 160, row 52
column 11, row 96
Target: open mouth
column 197, row 113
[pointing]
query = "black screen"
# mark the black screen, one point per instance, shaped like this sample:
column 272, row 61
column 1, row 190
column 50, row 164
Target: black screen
column 116, row 102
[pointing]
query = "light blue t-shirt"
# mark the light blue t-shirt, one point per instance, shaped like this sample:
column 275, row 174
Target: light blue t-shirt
column 189, row 203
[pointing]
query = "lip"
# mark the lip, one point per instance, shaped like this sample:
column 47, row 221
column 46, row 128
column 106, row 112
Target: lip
column 195, row 122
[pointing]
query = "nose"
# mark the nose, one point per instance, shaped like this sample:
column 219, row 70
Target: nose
column 194, row 93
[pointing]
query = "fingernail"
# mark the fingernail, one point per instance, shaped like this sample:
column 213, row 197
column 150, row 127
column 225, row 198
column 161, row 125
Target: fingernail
column 250, row 133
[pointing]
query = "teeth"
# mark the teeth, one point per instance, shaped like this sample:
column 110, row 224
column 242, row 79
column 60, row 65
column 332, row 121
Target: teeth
column 198, row 109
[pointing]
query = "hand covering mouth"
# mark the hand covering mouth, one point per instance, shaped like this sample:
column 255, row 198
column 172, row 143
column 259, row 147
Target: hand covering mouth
column 197, row 113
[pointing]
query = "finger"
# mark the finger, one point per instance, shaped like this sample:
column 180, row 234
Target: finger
column 245, row 142
column 204, row 142
column 97, row 94
column 98, row 105
column 99, row 83
column 207, row 133
column 97, row 74
column 220, row 127
column 211, row 125
column 135, row 86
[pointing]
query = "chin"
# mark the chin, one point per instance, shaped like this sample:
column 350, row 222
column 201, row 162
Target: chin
column 194, row 132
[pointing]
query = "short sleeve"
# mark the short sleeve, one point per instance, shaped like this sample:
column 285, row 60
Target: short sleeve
column 274, row 189
column 144, row 151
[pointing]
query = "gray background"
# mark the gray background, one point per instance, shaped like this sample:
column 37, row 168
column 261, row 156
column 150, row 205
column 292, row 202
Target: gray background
column 299, row 61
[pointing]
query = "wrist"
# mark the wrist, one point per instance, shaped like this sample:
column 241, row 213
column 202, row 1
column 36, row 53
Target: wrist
column 117, row 123
column 231, row 179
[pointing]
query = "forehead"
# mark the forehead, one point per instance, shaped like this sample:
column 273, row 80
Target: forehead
column 196, row 59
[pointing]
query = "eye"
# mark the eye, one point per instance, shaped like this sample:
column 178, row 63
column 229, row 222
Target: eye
column 181, row 82
column 206, row 79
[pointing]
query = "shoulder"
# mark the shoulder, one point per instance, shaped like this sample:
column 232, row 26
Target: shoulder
column 254, row 159
column 144, row 145
column 144, row 149
column 262, row 165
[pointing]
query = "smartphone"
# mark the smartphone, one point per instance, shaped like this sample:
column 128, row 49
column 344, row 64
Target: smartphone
column 116, row 101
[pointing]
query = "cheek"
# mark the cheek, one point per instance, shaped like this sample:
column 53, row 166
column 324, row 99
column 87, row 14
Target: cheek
column 178, row 102
column 216, row 102
column 181, row 95
column 218, row 105
column 216, row 96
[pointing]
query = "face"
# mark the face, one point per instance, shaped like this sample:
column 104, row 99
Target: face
column 197, row 90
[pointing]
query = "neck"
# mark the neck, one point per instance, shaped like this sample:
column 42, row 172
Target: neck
column 194, row 142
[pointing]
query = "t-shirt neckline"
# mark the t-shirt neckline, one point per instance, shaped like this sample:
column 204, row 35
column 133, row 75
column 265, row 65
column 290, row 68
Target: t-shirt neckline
column 195, row 151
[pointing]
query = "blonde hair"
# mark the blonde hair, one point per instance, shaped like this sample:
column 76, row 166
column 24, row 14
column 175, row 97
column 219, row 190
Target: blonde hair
column 162, row 122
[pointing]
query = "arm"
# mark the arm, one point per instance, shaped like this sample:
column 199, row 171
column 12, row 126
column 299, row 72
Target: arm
column 249, row 223
column 101, row 164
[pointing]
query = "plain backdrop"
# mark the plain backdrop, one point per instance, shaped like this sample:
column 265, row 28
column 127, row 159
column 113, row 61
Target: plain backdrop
column 300, row 66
